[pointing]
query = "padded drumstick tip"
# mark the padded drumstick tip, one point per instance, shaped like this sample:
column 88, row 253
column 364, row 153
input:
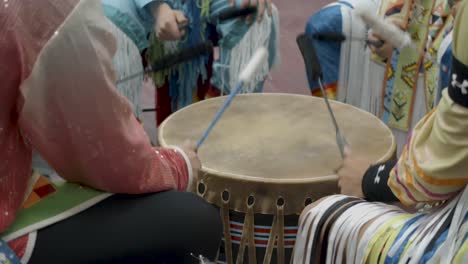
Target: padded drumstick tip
column 387, row 31
column 260, row 56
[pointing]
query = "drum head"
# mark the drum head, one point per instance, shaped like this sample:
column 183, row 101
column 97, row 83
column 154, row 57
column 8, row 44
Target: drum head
column 277, row 137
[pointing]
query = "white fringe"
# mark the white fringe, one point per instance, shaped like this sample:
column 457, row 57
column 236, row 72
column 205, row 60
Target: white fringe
column 344, row 245
column 171, row 47
column 362, row 86
column 257, row 36
column 127, row 61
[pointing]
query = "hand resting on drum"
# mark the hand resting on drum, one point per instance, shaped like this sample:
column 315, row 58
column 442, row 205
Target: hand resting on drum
column 188, row 147
column 351, row 173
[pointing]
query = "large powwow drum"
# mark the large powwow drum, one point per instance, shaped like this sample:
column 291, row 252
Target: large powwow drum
column 267, row 158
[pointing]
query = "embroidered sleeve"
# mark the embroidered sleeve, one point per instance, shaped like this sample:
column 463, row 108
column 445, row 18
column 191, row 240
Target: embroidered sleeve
column 434, row 165
column 374, row 183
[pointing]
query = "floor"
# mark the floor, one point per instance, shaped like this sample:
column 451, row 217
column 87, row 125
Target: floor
column 290, row 76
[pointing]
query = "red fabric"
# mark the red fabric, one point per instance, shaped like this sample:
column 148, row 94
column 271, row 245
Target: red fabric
column 19, row 245
column 204, row 90
column 44, row 190
column 330, row 89
column 163, row 103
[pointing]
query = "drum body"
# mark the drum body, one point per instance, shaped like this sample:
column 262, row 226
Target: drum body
column 268, row 157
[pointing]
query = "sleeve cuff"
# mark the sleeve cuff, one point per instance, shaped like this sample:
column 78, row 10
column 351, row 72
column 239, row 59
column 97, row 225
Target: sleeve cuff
column 148, row 5
column 151, row 5
column 145, row 3
column 144, row 10
column 189, row 165
column 458, row 88
column 375, row 183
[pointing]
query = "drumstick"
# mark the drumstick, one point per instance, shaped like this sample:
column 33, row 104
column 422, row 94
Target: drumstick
column 260, row 56
column 230, row 13
column 192, row 52
column 174, row 59
column 313, row 66
column 339, row 37
column 393, row 34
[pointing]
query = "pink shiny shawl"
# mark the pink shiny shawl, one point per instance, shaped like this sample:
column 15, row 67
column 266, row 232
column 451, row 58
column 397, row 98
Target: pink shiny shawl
column 58, row 95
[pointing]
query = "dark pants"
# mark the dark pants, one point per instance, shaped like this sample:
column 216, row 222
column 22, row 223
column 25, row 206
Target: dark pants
column 156, row 228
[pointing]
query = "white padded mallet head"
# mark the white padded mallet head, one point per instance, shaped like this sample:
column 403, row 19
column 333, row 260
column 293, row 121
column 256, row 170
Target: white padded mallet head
column 257, row 60
column 387, row 31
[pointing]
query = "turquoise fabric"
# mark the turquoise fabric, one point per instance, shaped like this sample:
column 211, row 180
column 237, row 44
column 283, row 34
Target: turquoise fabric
column 232, row 32
column 7, row 255
column 132, row 17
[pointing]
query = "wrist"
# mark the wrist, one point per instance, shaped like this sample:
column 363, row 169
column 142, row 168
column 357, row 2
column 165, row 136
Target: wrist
column 156, row 6
column 375, row 182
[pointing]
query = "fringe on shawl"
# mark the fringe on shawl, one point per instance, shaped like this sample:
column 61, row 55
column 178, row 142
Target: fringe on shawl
column 127, row 61
column 183, row 78
column 232, row 61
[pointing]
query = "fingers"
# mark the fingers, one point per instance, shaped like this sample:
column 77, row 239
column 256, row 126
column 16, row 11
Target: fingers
column 175, row 26
column 338, row 169
column 172, row 27
column 375, row 37
column 250, row 18
column 189, row 144
column 269, row 7
column 380, row 51
column 261, row 10
column 161, row 35
column 340, row 185
column 180, row 18
column 347, row 150
column 372, row 40
column 245, row 3
column 398, row 22
column 231, row 3
column 169, row 31
column 385, row 51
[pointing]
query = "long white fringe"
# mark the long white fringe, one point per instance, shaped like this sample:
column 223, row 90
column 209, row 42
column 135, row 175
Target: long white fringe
column 362, row 86
column 258, row 35
column 127, row 61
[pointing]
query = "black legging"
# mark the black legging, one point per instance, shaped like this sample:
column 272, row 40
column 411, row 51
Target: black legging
column 156, row 228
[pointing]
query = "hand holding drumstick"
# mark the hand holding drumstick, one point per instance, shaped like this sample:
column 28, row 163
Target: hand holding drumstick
column 351, row 173
column 383, row 48
column 170, row 23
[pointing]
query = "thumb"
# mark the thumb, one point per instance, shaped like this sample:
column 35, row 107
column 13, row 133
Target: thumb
column 189, row 144
column 180, row 18
column 347, row 151
column 398, row 22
